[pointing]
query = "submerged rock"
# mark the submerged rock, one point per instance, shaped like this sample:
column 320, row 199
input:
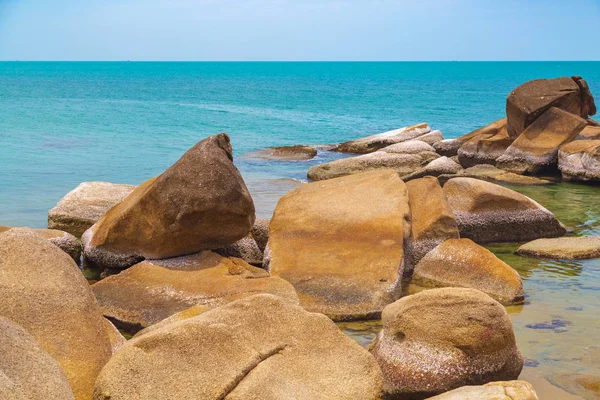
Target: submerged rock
column 261, row 347
column 83, row 206
column 486, row 212
column 373, row 143
column 580, row 160
column 285, row 153
column 463, row 263
column 565, row 248
column 63, row 240
column 153, row 290
column 450, row 147
column 442, row 339
column 584, row 385
column 340, row 242
column 511, row 390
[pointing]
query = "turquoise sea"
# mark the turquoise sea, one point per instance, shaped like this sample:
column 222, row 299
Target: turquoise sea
column 64, row 123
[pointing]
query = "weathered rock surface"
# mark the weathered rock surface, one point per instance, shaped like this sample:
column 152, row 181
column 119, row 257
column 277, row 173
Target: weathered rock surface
column 450, row 147
column 486, row 212
column 431, row 137
column 117, row 340
column 258, row 348
column 43, row 290
column 284, row 153
column 27, row 371
column 463, row 263
column 511, row 390
column 490, row 173
column 532, row 99
column 580, row 160
column 590, row 132
column 565, row 248
column 83, row 206
column 155, row 289
column 63, row 240
column 403, row 164
column 246, row 248
column 201, row 202
column 341, row 243
column 373, row 143
column 432, row 218
column 486, row 147
column 191, row 312
column 442, row 339
column 260, row 233
column 409, row 147
column 537, row 146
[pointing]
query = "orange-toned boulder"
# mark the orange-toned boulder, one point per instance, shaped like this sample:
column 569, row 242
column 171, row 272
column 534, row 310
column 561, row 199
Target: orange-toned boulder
column 340, row 242
column 373, row 143
column 580, row 160
column 485, row 149
column 450, row 147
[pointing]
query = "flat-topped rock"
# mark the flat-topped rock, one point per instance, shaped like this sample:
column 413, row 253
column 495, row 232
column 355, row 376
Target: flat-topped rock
column 63, row 240
column 83, row 206
column 450, row 147
column 284, row 153
column 490, row 173
column 511, row 390
column 580, row 160
column 373, row 143
column 340, row 242
column 261, row 347
column 565, row 248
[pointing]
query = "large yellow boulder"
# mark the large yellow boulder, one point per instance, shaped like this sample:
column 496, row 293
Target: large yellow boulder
column 340, row 242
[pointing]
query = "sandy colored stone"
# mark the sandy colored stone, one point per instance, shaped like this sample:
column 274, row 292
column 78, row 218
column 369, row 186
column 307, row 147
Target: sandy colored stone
column 199, row 203
column 442, row 339
column 431, row 137
column 432, row 218
column 27, row 371
column 373, row 143
column 463, row 263
column 258, row 348
column 284, row 153
column 260, row 233
column 590, row 132
column 188, row 313
column 63, row 240
column 409, row 147
column 450, row 147
column 153, row 290
column 536, row 148
column 340, row 242
column 580, row 160
column 117, row 340
column 565, row 248
column 246, row 248
column 511, row 390
column 486, row 212
column 485, row 149
column 43, row 290
column 83, row 206
column 490, row 173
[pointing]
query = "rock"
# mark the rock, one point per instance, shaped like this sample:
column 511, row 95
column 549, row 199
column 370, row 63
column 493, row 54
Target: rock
column 373, row 143
column 442, row 339
column 403, row 164
column 431, row 137
column 440, row 166
column 341, row 243
column 261, row 347
column 490, row 173
column 170, row 216
column 27, row 371
column 450, row 147
column 532, row 99
column 285, row 153
column 409, row 147
column 63, row 240
column 246, row 248
column 591, row 122
column 432, row 218
column 486, row 212
column 485, row 149
column 580, row 160
column 511, row 390
column 153, row 290
column 587, row 99
column 589, row 133
column 536, row 148
column 463, row 263
column 584, row 385
column 83, row 206
column 191, row 312
column 116, row 339
column 565, row 248
column 260, row 233
column 43, row 290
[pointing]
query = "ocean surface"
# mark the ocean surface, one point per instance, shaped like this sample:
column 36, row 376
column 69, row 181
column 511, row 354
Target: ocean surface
column 64, row 123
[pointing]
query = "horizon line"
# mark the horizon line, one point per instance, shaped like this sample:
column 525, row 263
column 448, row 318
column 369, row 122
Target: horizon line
column 299, row 61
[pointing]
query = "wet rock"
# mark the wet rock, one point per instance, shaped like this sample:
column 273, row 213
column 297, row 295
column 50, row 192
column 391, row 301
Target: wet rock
column 246, row 248
column 485, row 149
column 260, row 233
column 340, row 242
column 442, row 339
column 511, row 390
column 43, row 290
column 463, row 263
column 285, row 153
column 555, row 324
column 565, row 248
column 373, row 143
column 261, row 347
column 83, row 206
column 156, row 289
column 536, row 148
column 584, row 385
column 486, row 212
column 492, row 174
column 450, row 147
column 168, row 216
column 580, row 160
column 63, row 240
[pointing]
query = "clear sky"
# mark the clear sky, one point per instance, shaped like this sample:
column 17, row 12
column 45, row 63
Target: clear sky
column 300, row 30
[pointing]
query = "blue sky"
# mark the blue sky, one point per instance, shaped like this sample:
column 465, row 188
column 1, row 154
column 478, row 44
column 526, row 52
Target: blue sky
column 299, row 30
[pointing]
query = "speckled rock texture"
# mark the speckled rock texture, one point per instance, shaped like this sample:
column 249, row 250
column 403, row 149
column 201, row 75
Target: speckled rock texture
column 450, row 147
column 442, row 339
column 27, row 371
column 431, row 137
column 83, row 206
column 43, row 290
column 492, row 174
column 373, row 143
column 258, row 348
column 565, row 248
column 486, row 212
column 463, row 263
column 409, row 147
column 536, row 148
column 432, row 219
column 200, row 203
column 117, row 340
column 188, row 313
column 284, row 153
column 260, row 232
column 439, row 166
column 340, row 242
column 486, row 147
column 529, row 101
column 580, row 160
column 246, row 248
column 155, row 289
column 511, row 390
column 63, row 240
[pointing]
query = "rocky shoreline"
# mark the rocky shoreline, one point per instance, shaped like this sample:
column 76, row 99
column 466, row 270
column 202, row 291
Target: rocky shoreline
column 227, row 306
